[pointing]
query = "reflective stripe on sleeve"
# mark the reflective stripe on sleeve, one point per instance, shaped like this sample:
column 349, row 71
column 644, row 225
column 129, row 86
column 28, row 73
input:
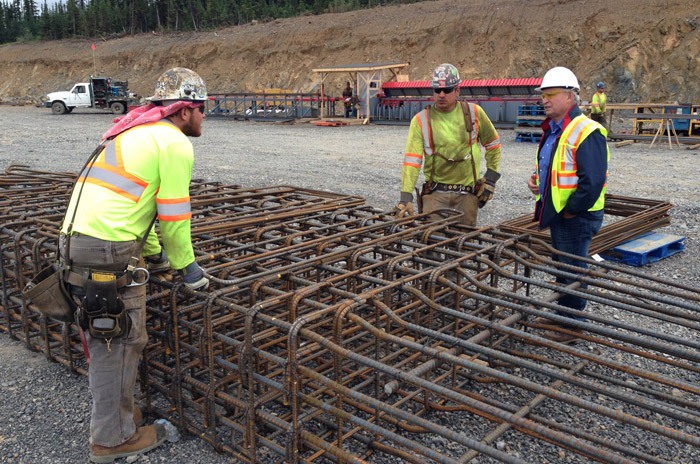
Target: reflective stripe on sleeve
column 413, row 160
column 495, row 143
column 425, row 132
column 174, row 209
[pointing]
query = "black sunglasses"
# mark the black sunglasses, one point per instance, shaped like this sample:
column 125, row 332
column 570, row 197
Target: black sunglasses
column 201, row 108
column 446, row 91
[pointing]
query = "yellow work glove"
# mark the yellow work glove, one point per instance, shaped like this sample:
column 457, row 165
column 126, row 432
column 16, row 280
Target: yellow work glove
column 486, row 186
column 403, row 210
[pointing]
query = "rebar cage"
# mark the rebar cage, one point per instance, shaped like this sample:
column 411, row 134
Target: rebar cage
column 332, row 332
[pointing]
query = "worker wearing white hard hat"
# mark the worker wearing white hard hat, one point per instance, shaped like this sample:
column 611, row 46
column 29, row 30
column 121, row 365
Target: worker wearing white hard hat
column 569, row 185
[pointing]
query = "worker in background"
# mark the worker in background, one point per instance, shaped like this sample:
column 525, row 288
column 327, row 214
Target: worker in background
column 599, row 105
column 569, row 183
column 143, row 168
column 348, row 99
column 445, row 139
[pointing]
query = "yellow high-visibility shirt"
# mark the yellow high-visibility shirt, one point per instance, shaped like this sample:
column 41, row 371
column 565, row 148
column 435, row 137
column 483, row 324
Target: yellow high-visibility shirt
column 144, row 170
column 598, row 103
column 451, row 140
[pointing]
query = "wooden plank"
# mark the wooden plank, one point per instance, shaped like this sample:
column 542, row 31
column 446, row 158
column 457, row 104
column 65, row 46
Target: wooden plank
column 624, row 143
column 693, row 147
column 656, row 117
column 328, row 123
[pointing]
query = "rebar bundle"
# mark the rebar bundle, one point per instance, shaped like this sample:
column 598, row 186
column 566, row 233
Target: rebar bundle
column 334, row 333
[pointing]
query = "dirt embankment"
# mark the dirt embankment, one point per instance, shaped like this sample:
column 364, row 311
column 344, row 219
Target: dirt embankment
column 645, row 51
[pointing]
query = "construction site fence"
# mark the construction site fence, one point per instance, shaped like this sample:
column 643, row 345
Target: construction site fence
column 333, row 332
column 264, row 105
column 289, row 106
column 403, row 109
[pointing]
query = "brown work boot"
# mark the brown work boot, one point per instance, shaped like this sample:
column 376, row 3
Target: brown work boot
column 145, row 439
column 563, row 337
column 139, row 420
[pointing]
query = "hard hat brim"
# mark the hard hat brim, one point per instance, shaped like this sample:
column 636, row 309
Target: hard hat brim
column 540, row 89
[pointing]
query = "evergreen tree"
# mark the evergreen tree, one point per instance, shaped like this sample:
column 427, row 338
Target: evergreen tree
column 24, row 20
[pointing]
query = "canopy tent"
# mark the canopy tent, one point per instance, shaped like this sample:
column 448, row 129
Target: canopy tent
column 367, row 78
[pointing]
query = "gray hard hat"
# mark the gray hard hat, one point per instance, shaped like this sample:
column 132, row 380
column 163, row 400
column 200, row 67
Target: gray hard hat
column 445, row 76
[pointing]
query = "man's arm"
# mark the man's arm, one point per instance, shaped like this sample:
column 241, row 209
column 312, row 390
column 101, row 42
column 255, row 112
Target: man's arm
column 412, row 161
column 489, row 138
column 152, row 245
column 173, row 200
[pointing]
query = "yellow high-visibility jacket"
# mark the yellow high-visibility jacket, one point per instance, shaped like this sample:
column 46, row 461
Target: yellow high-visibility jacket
column 433, row 131
column 598, row 103
column 144, row 170
column 563, row 178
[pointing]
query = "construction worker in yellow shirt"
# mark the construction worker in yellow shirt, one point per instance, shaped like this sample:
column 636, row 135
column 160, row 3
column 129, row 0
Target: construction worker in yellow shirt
column 599, row 105
column 445, row 139
column 140, row 171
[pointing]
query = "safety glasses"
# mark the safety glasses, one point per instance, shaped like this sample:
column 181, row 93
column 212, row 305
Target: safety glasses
column 196, row 106
column 550, row 94
column 446, row 91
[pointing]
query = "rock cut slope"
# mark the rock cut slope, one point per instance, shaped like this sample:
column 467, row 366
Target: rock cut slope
column 645, row 51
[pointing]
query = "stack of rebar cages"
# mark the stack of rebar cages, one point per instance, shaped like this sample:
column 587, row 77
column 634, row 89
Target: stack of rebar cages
column 332, row 332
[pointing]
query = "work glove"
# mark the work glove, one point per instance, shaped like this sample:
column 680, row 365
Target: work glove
column 157, row 263
column 193, row 277
column 486, row 186
column 403, row 210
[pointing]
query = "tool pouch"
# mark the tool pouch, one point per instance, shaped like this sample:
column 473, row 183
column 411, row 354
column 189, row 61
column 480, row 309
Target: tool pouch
column 103, row 311
column 428, row 188
column 47, row 292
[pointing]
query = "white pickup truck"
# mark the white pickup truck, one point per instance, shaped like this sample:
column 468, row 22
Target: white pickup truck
column 98, row 92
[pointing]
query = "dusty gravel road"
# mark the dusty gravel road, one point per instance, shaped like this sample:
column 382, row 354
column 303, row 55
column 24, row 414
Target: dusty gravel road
column 45, row 409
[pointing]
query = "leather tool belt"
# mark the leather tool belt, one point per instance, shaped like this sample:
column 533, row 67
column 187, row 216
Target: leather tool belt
column 454, row 188
column 79, row 276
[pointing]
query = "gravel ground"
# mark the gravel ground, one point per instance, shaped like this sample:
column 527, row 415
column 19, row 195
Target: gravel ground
column 45, row 409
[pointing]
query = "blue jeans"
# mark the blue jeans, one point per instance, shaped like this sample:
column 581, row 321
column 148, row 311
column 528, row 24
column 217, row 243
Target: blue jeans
column 574, row 236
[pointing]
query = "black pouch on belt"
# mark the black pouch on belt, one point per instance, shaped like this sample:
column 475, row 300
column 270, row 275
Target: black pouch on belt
column 104, row 311
column 428, row 188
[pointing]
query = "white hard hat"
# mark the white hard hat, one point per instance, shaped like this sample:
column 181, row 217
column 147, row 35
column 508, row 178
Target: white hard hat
column 559, row 77
column 180, row 84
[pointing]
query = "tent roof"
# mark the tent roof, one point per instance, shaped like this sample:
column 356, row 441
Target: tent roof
column 363, row 67
column 484, row 87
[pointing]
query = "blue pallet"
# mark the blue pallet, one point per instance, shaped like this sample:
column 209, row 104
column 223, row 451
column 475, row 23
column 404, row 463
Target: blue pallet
column 646, row 249
column 528, row 122
column 531, row 110
column 528, row 137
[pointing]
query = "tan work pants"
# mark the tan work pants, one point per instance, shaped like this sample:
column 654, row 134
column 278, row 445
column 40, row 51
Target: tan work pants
column 462, row 202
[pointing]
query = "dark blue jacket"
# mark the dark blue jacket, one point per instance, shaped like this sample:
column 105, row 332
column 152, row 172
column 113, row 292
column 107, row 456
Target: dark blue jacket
column 591, row 169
